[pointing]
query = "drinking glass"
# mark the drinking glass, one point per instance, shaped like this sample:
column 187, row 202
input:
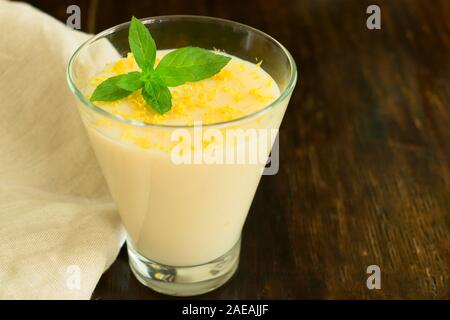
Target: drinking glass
column 183, row 220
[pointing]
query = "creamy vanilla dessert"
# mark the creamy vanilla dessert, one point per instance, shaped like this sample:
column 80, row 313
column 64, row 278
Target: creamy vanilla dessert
column 182, row 214
column 240, row 88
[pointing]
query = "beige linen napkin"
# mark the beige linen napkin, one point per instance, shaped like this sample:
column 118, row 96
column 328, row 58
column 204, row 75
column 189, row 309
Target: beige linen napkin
column 59, row 230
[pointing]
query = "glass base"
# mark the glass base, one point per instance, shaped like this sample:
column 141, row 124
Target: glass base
column 184, row 281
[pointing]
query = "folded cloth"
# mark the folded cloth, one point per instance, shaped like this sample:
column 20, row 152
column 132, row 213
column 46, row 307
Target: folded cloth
column 59, row 229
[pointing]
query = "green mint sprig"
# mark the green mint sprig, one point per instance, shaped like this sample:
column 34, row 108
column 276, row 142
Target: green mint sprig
column 179, row 66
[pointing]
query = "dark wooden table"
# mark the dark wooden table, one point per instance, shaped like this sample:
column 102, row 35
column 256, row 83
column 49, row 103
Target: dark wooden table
column 365, row 151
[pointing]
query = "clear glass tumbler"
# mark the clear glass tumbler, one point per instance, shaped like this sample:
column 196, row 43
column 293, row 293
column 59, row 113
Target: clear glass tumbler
column 183, row 221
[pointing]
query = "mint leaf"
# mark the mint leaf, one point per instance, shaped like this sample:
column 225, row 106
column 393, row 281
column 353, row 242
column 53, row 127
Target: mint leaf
column 176, row 68
column 157, row 96
column 142, row 44
column 109, row 91
column 189, row 64
column 131, row 81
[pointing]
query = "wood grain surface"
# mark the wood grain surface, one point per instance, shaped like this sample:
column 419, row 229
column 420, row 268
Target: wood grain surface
column 364, row 147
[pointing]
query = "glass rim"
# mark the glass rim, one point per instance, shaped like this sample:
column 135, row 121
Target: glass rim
column 73, row 87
